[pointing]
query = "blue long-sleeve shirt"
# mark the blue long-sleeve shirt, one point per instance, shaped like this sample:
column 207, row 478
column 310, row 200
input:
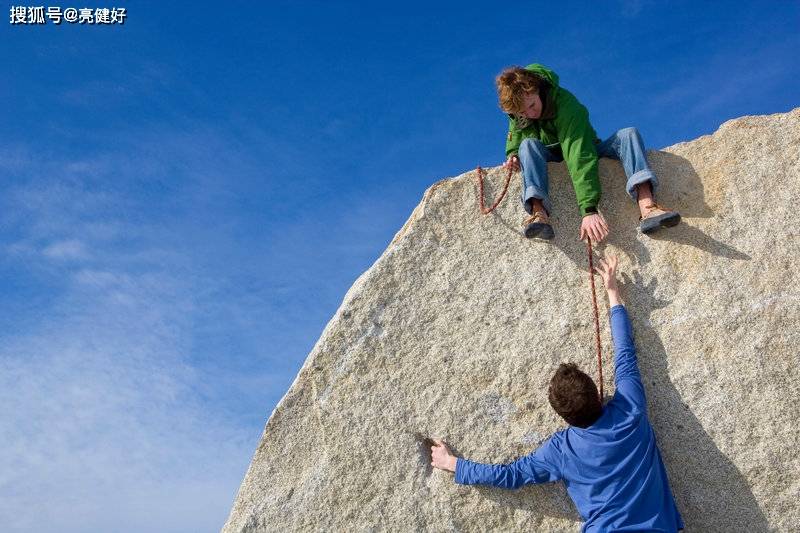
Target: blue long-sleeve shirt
column 612, row 470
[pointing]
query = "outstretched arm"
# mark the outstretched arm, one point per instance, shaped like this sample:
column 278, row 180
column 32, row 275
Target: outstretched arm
column 576, row 136
column 627, row 377
column 541, row 466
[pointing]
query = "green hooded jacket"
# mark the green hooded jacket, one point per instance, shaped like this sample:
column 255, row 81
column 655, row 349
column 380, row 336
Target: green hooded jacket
column 564, row 123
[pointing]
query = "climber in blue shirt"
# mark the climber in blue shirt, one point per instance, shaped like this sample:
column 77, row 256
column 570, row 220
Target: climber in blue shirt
column 607, row 457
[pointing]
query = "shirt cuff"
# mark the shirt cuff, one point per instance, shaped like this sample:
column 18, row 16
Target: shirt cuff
column 618, row 310
column 459, row 478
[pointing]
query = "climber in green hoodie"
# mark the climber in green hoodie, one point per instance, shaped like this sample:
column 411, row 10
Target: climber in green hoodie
column 547, row 123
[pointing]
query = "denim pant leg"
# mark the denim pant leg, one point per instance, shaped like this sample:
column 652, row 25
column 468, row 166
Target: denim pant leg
column 627, row 146
column 533, row 158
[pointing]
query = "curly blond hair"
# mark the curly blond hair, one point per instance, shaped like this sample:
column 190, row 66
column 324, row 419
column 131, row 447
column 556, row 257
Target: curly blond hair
column 512, row 85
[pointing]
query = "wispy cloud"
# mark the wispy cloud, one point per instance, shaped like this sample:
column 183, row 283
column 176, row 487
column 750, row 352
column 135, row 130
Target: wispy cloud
column 103, row 430
column 726, row 80
column 105, row 421
column 171, row 305
column 66, row 249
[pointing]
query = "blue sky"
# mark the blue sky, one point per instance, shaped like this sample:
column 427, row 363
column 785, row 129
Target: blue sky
column 185, row 200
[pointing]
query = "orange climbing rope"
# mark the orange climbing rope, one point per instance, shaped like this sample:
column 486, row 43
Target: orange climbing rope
column 486, row 211
column 483, row 208
column 596, row 318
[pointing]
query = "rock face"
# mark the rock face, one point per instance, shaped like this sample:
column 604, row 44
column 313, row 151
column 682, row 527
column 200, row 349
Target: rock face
column 455, row 331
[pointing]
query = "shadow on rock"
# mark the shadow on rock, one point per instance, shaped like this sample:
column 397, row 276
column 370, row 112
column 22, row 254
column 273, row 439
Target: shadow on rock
column 549, row 499
column 679, row 185
column 680, row 189
column 712, row 494
column 710, row 491
column 689, row 235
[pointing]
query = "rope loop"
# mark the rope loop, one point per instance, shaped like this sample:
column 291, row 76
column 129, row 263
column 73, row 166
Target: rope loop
column 482, row 206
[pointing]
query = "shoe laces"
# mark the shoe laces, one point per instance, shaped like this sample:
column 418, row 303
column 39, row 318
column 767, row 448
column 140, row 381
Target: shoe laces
column 652, row 207
column 537, row 216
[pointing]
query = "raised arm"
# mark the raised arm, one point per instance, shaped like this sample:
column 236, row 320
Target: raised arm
column 541, row 466
column 626, row 367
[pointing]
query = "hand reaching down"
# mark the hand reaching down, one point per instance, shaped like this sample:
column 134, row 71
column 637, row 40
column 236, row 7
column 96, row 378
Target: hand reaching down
column 594, row 226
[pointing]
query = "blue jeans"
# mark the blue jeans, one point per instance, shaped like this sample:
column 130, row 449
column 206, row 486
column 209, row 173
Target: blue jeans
column 625, row 145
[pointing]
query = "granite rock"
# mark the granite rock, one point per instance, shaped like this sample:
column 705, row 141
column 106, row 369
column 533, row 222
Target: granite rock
column 455, row 331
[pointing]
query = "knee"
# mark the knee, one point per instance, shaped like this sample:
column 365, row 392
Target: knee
column 531, row 145
column 628, row 132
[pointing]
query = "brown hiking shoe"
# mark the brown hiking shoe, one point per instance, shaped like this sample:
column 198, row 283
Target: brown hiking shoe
column 657, row 217
column 538, row 226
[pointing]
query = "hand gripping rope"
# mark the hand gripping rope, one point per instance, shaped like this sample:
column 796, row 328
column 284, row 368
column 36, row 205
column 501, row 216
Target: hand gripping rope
column 486, row 211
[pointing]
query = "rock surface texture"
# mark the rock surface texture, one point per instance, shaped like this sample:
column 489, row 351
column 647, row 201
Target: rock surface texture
column 455, row 331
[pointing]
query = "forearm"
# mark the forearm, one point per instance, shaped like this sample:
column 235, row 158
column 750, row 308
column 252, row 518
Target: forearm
column 580, row 155
column 613, row 296
column 626, row 376
column 625, row 361
column 473, row 473
column 513, row 139
column 586, row 183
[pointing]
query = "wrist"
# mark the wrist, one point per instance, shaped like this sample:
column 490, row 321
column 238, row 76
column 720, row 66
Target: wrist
column 613, row 296
column 453, row 463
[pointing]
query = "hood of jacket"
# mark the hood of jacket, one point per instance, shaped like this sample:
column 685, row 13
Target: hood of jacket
column 548, row 94
column 545, row 73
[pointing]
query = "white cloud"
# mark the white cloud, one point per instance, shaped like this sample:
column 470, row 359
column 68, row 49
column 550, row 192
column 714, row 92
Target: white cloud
column 105, row 424
column 66, row 250
column 98, row 278
column 111, row 412
column 88, row 435
column 103, row 428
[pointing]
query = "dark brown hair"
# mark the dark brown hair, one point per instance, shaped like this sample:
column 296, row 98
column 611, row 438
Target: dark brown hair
column 574, row 396
column 512, row 85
